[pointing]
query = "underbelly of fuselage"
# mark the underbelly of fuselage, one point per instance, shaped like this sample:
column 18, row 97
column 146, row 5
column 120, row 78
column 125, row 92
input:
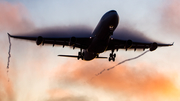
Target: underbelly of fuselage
column 89, row 55
column 98, row 45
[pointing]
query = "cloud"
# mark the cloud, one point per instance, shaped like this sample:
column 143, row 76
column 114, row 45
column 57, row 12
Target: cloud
column 14, row 17
column 141, row 81
column 71, row 98
column 6, row 88
column 170, row 15
column 126, row 32
column 54, row 93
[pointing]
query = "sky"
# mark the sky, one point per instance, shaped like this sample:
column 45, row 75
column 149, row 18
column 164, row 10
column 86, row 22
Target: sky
column 36, row 73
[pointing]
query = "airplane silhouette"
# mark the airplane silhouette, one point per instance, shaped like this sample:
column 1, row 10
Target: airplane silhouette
column 100, row 41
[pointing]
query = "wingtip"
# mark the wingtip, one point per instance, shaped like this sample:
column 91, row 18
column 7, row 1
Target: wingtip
column 172, row 44
column 9, row 34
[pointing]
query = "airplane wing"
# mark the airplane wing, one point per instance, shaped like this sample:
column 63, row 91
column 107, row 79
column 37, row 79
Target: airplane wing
column 128, row 44
column 79, row 42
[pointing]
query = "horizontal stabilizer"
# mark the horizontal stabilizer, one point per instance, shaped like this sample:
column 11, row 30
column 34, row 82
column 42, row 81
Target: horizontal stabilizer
column 73, row 56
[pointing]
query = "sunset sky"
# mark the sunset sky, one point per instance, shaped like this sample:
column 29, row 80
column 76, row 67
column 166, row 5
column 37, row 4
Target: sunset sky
column 37, row 74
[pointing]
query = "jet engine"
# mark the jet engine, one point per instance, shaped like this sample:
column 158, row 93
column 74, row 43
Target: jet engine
column 39, row 40
column 72, row 41
column 128, row 44
column 153, row 46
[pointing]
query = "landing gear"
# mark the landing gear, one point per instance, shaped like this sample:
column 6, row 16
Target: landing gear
column 112, row 56
column 80, row 55
column 111, row 32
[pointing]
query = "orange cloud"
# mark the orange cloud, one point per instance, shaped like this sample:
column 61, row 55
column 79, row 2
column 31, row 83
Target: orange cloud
column 6, row 88
column 140, row 81
column 14, row 17
column 58, row 93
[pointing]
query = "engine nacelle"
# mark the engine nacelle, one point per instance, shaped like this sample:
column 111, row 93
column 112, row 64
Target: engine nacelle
column 153, row 46
column 128, row 44
column 72, row 40
column 39, row 40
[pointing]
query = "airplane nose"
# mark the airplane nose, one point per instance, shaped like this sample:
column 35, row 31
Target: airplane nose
column 114, row 17
column 112, row 11
column 114, row 14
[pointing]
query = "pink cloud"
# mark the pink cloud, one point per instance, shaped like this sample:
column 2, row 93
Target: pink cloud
column 14, row 17
column 170, row 15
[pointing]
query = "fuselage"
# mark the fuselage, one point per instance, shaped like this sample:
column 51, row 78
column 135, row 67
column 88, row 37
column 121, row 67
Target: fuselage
column 102, row 35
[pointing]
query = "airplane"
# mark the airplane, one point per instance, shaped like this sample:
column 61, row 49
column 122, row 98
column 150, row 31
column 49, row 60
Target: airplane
column 99, row 42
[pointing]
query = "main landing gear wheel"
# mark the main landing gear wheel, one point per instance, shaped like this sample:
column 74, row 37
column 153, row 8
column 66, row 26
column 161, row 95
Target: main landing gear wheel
column 112, row 57
column 80, row 55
